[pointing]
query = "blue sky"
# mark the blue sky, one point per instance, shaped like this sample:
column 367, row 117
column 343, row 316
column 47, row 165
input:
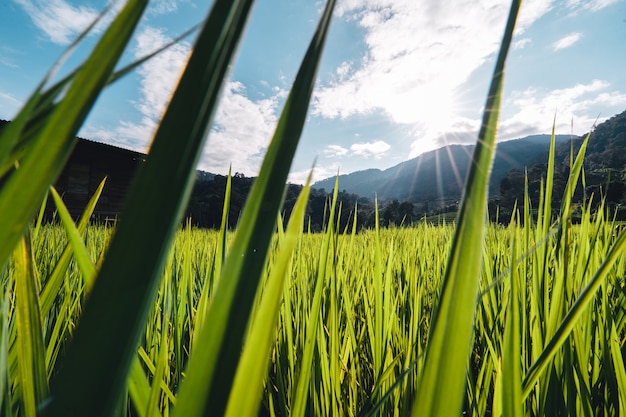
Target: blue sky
column 398, row 78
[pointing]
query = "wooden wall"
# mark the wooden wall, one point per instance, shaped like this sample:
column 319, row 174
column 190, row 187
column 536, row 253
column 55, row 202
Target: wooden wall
column 89, row 163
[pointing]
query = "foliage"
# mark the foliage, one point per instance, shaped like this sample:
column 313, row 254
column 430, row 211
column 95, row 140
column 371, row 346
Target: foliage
column 605, row 168
column 145, row 319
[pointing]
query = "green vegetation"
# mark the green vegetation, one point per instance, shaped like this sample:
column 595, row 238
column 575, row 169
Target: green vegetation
column 377, row 293
column 605, row 161
column 145, row 319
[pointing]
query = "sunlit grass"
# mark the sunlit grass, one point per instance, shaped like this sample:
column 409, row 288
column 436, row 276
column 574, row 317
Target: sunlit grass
column 369, row 344
column 151, row 319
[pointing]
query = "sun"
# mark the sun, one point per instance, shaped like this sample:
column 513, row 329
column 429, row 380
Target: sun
column 435, row 113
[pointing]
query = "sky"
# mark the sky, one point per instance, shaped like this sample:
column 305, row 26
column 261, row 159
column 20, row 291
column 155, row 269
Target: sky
column 398, row 77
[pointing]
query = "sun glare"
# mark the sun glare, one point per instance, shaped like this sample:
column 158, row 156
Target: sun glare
column 438, row 108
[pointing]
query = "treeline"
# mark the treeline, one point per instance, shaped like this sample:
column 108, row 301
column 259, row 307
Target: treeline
column 604, row 172
column 604, row 178
column 207, row 202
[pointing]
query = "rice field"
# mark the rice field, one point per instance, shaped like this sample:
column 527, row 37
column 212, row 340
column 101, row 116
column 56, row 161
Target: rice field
column 151, row 319
column 353, row 324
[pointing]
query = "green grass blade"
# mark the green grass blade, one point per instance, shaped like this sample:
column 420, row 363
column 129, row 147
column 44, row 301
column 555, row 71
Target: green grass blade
column 229, row 311
column 584, row 299
column 396, row 384
column 511, row 362
column 547, row 204
column 130, row 274
column 618, row 366
column 55, row 280
column 209, row 285
column 572, row 181
column 31, row 351
column 138, row 387
column 154, row 398
column 448, row 347
column 4, row 351
column 85, row 264
column 248, row 384
column 42, row 210
column 220, row 253
column 302, row 386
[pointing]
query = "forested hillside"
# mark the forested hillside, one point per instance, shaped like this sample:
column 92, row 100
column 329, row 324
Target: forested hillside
column 604, row 169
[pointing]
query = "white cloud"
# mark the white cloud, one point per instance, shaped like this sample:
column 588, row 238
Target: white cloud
column 367, row 149
column 58, row 19
column 463, row 131
column 6, row 56
column 335, row 151
column 376, row 149
column 160, row 74
column 521, row 43
column 591, row 5
column 163, row 6
column 414, row 53
column 418, row 55
column 344, row 70
column 9, row 105
column 567, row 41
column 158, row 78
column 573, row 106
column 243, row 129
column 532, row 111
column 531, row 11
column 319, row 173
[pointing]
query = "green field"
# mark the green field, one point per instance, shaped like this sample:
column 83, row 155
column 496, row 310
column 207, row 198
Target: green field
column 364, row 302
column 150, row 320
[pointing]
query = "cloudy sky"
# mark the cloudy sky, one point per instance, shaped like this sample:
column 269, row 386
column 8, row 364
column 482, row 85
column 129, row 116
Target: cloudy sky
column 398, row 78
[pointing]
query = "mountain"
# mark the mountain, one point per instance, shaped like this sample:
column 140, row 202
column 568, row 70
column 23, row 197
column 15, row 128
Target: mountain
column 439, row 175
column 604, row 169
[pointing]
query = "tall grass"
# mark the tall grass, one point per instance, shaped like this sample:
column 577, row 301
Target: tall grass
column 145, row 319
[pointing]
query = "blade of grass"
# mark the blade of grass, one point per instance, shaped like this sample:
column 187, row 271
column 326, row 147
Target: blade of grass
column 448, row 346
column 4, row 351
column 161, row 367
column 138, row 387
column 618, row 366
column 130, row 274
column 511, row 362
column 584, row 299
column 302, row 386
column 55, row 280
column 218, row 260
column 383, row 399
column 31, row 351
column 220, row 253
column 85, row 264
column 248, row 384
column 201, row 393
column 39, row 221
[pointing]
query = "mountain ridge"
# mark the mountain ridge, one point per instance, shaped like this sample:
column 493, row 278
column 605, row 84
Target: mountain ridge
column 439, row 175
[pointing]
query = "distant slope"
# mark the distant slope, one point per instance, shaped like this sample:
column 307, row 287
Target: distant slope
column 439, row 175
column 604, row 169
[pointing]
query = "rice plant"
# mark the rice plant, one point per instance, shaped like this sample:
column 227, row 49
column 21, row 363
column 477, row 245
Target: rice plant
column 145, row 318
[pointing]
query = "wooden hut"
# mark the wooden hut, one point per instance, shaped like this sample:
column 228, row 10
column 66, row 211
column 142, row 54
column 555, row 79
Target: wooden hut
column 88, row 164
